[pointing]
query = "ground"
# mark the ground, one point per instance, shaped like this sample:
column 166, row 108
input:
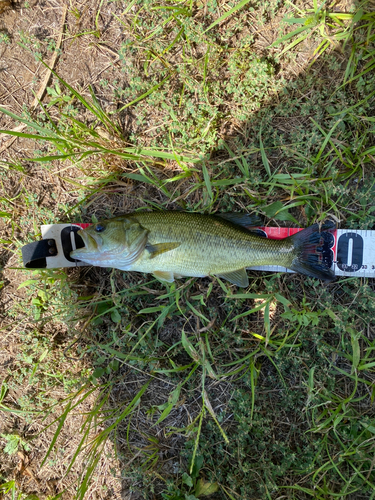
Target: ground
column 117, row 385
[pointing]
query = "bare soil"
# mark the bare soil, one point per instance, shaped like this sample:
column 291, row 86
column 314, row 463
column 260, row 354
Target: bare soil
column 33, row 29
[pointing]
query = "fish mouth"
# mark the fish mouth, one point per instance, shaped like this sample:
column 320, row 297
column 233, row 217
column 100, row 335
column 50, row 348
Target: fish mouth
column 92, row 245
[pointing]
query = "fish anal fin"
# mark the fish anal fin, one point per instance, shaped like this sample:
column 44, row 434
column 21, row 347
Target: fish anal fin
column 244, row 220
column 238, row 277
column 160, row 248
column 164, row 276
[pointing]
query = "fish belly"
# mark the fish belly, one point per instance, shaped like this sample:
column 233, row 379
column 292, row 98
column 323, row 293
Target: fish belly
column 209, row 254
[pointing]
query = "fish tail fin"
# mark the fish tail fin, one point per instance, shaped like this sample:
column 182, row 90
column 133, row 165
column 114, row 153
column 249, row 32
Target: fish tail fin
column 314, row 257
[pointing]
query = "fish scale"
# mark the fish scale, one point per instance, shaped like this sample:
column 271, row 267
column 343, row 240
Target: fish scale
column 208, row 245
column 319, row 252
column 178, row 244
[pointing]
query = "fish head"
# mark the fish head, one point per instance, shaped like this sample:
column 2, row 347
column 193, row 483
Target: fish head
column 112, row 243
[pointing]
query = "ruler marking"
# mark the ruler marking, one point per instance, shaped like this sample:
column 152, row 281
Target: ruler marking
column 350, row 252
column 366, row 269
column 73, row 240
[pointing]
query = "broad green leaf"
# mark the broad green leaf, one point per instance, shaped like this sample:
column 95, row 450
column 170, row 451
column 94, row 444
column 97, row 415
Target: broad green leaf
column 204, row 488
column 356, row 351
column 98, row 372
column 186, row 479
column 358, row 16
column 115, row 316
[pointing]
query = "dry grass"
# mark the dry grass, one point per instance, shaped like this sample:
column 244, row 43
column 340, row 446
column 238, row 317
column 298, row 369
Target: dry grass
column 44, row 360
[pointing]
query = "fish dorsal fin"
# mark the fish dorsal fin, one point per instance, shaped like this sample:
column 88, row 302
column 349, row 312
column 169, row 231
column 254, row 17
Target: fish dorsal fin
column 164, row 275
column 244, row 220
column 160, row 248
column 238, row 277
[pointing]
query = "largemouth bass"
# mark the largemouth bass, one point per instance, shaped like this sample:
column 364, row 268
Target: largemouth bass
column 177, row 244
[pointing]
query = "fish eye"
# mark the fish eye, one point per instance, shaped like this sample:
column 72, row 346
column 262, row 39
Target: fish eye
column 99, row 228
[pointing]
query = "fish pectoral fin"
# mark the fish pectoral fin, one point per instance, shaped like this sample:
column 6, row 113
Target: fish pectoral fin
column 164, row 275
column 160, row 248
column 244, row 220
column 238, row 277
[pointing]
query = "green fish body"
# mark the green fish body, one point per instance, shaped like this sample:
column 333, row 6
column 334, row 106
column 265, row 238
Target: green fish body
column 177, row 244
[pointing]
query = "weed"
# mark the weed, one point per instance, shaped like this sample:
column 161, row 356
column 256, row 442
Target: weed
column 14, row 442
column 204, row 390
column 4, row 38
column 30, row 43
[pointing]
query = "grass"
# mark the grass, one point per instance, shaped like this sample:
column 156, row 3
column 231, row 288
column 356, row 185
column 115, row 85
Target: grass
column 196, row 388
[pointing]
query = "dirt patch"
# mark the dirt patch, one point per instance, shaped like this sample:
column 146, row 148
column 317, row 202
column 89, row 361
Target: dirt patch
column 84, row 42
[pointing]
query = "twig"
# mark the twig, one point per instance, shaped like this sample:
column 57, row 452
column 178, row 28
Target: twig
column 52, row 62
column 42, row 89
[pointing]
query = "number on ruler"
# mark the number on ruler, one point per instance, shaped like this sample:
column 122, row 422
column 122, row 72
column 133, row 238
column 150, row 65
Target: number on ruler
column 67, row 234
column 350, row 252
column 324, row 254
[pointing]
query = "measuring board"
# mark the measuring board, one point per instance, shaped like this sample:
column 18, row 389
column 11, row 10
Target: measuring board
column 351, row 251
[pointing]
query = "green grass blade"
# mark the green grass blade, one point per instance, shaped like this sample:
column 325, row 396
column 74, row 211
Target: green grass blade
column 293, row 44
column 196, row 442
column 251, row 311
column 208, row 405
column 267, row 323
column 207, row 181
column 227, row 14
column 264, row 156
column 289, row 35
column 253, row 373
column 150, row 91
column 62, row 419
column 327, row 137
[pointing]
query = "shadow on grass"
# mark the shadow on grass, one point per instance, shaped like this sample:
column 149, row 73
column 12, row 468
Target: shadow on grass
column 219, row 410
column 305, row 154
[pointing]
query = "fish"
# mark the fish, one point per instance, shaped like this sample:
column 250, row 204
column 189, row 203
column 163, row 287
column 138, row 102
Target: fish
column 173, row 245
